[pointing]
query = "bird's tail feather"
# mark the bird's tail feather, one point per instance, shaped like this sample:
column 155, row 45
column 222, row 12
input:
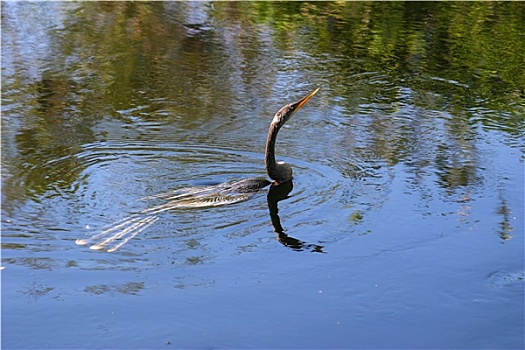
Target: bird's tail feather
column 120, row 232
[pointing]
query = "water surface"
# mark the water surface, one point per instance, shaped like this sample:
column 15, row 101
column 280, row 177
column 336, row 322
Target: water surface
column 403, row 227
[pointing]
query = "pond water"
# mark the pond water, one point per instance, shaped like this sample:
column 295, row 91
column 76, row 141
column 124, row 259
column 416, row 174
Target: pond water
column 403, row 226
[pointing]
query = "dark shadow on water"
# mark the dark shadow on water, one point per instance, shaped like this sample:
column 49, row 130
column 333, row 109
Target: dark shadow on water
column 279, row 192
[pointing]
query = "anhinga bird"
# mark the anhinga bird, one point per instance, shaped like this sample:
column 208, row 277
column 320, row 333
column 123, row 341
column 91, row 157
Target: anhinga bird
column 205, row 196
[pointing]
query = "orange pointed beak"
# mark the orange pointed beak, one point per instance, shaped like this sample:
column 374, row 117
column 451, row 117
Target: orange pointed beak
column 305, row 99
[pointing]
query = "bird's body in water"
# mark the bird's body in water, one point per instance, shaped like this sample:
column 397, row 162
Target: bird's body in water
column 206, row 196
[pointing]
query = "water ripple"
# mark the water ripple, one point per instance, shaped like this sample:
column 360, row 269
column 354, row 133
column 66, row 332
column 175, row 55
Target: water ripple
column 179, row 179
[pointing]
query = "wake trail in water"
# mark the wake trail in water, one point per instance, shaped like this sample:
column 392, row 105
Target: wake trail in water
column 118, row 234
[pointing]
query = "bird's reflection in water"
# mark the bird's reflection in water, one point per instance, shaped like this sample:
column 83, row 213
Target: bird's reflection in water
column 277, row 193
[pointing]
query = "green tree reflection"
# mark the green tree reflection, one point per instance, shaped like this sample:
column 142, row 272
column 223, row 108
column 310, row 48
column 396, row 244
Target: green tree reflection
column 186, row 63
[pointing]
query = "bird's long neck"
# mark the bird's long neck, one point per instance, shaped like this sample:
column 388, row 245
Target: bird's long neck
column 279, row 172
column 271, row 165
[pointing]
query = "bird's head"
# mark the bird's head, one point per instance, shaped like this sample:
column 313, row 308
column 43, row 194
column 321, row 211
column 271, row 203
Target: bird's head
column 287, row 111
